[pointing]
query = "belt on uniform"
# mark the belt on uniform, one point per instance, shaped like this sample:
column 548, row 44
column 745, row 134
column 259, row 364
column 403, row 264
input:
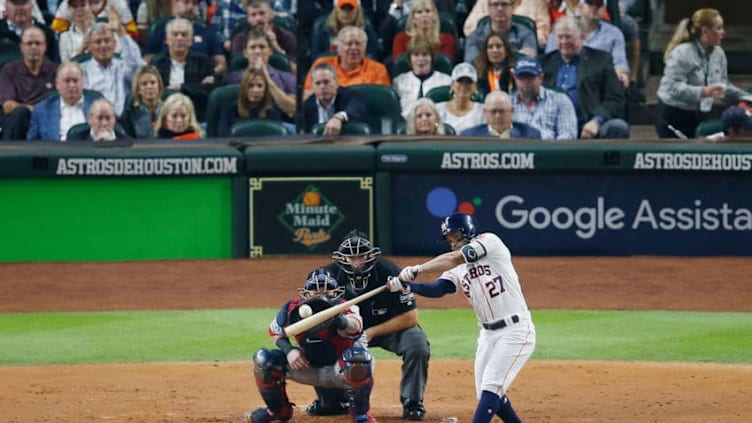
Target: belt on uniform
column 501, row 324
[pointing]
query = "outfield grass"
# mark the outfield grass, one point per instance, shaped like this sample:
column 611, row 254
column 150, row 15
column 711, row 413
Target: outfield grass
column 226, row 335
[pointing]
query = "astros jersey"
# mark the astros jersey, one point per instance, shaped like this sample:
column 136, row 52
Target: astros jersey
column 322, row 347
column 488, row 279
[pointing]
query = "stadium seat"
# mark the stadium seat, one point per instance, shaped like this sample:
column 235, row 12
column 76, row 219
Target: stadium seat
column 708, row 127
column 349, row 128
column 258, row 128
column 382, row 107
column 9, row 55
column 441, row 94
column 218, row 97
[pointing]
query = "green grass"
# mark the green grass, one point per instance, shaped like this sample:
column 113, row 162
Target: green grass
column 223, row 335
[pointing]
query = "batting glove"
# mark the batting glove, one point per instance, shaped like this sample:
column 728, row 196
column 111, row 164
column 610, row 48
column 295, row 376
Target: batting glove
column 409, row 273
column 393, row 284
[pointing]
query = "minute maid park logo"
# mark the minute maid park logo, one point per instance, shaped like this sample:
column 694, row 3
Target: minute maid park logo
column 311, row 218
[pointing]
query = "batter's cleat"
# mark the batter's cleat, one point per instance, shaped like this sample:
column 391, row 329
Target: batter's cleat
column 318, row 409
column 265, row 415
column 413, row 410
column 364, row 418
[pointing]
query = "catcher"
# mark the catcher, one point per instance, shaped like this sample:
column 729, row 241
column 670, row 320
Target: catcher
column 326, row 356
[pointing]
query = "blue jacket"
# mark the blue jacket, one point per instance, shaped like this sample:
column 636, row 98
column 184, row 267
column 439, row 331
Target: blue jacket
column 45, row 119
column 519, row 130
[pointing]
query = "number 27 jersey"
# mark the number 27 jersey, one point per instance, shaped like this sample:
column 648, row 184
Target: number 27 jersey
column 488, row 279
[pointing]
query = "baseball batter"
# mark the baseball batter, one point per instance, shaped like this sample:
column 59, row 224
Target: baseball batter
column 327, row 355
column 481, row 267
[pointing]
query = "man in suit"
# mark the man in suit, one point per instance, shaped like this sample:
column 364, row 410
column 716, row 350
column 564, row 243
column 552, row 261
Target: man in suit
column 587, row 76
column 498, row 111
column 53, row 116
column 330, row 104
column 102, row 121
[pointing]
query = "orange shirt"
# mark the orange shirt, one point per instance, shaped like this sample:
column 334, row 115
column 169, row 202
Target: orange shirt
column 370, row 72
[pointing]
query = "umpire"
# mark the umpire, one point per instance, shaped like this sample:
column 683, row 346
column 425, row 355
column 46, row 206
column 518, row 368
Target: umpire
column 390, row 321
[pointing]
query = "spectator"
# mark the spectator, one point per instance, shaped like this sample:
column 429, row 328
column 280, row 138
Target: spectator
column 546, row 110
column 53, row 116
column 347, row 13
column 421, row 77
column 102, row 123
column 737, row 123
column 424, row 20
column 600, row 35
column 36, row 12
column 498, row 110
column 254, row 101
column 204, row 40
column 72, row 42
column 226, row 16
column 17, row 19
column 521, row 39
column 177, row 119
column 351, row 63
column 24, row 83
column 587, row 76
column 389, row 21
column 282, row 84
column 260, row 17
column 536, row 10
column 423, row 119
column 101, row 9
column 106, row 73
column 149, row 11
column 461, row 112
column 330, row 104
column 140, row 115
column 494, row 65
column 696, row 73
column 183, row 69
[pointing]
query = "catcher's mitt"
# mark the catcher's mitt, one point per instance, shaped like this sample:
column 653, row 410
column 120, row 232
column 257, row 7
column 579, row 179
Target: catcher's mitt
column 317, row 304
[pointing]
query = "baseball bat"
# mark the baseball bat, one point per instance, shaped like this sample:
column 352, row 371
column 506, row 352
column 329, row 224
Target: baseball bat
column 324, row 315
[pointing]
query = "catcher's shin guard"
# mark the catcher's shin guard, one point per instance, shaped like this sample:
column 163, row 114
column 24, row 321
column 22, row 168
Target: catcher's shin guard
column 356, row 374
column 330, row 402
column 269, row 369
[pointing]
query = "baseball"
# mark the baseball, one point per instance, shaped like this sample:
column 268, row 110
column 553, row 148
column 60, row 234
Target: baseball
column 305, row 311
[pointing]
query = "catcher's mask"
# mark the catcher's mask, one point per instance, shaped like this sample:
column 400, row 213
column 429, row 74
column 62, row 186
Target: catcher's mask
column 458, row 222
column 321, row 284
column 356, row 256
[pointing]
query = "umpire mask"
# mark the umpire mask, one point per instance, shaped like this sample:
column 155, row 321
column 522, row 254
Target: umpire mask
column 356, row 256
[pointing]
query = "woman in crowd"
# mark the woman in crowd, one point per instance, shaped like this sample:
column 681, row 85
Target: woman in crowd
column 254, row 102
column 421, row 77
column 345, row 13
column 140, row 115
column 423, row 119
column 177, row 119
column 424, row 20
column 494, row 65
column 695, row 75
column 461, row 112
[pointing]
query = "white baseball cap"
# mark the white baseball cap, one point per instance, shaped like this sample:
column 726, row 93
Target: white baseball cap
column 464, row 70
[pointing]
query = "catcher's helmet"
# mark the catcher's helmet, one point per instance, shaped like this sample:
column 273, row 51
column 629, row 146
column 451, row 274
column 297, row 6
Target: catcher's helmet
column 458, row 222
column 356, row 256
column 321, row 283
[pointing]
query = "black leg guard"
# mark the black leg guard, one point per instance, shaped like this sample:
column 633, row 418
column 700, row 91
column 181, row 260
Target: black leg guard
column 356, row 373
column 270, row 370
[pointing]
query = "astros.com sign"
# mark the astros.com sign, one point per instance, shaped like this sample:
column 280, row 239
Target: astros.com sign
column 514, row 212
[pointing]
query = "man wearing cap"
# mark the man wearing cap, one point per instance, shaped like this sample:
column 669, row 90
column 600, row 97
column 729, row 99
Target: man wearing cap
column 351, row 63
column 586, row 75
column 498, row 111
column 737, row 123
column 548, row 111
column 521, row 39
column 601, row 35
column 461, row 112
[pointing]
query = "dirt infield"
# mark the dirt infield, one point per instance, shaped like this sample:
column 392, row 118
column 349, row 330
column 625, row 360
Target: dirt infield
column 545, row 391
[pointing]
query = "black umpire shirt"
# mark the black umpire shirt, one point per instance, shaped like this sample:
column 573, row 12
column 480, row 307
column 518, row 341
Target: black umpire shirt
column 382, row 307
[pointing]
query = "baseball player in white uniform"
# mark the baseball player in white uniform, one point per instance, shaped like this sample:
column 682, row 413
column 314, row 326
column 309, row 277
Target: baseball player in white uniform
column 481, row 267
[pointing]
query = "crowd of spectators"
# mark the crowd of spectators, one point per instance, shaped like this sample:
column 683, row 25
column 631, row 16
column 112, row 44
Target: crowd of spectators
column 565, row 67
